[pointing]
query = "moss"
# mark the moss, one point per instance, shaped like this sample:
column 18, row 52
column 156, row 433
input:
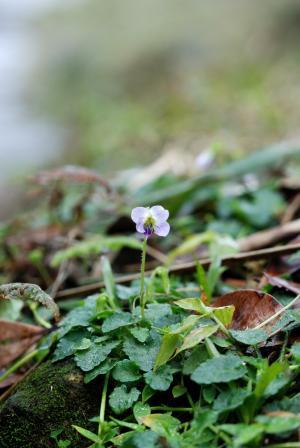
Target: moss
column 52, row 397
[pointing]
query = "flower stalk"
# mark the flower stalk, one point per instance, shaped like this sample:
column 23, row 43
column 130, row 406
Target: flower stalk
column 142, row 290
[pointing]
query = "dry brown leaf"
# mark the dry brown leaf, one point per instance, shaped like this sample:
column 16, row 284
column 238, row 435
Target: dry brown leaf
column 15, row 339
column 282, row 283
column 251, row 308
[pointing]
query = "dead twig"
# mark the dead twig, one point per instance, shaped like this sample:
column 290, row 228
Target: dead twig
column 185, row 268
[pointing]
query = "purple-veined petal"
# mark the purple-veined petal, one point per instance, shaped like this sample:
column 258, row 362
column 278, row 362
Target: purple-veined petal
column 162, row 229
column 139, row 213
column 159, row 213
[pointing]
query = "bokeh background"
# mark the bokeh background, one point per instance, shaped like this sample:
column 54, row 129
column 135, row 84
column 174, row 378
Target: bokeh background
column 113, row 84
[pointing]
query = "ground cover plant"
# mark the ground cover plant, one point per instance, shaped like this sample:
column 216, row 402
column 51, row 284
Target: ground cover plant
column 201, row 351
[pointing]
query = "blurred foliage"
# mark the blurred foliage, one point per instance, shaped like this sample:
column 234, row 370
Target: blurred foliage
column 128, row 79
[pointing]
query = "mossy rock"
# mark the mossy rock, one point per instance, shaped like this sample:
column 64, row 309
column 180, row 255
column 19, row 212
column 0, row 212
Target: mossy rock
column 54, row 396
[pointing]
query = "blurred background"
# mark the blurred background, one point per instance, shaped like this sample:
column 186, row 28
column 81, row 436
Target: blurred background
column 113, row 84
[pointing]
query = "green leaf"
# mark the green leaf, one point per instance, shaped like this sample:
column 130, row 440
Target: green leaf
column 295, row 351
column 87, row 434
column 222, row 369
column 224, row 314
column 140, row 410
column 143, row 354
column 69, row 343
column 230, row 399
column 94, row 246
column 190, row 304
column 201, row 277
column 117, row 320
column 120, row 399
column 108, row 278
column 163, row 424
column 147, row 393
column 209, row 393
column 198, row 356
column 102, row 369
column 249, row 337
column 196, row 336
column 267, row 375
column 161, row 379
column 93, row 356
column 11, row 309
column 167, row 349
column 146, row 439
column 178, row 391
column 140, row 333
column 243, row 434
column 126, row 371
column 276, row 424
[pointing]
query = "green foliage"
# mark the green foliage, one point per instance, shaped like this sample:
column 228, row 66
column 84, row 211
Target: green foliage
column 94, row 246
column 143, row 354
column 161, row 379
column 122, row 398
column 126, row 371
column 222, row 369
column 91, row 357
column 249, row 337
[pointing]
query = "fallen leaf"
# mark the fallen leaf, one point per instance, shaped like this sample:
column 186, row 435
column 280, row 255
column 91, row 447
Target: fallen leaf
column 282, row 283
column 15, row 339
column 251, row 308
column 12, row 379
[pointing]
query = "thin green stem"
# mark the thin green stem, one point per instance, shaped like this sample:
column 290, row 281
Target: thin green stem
column 142, row 291
column 19, row 364
column 282, row 310
column 39, row 319
column 103, row 403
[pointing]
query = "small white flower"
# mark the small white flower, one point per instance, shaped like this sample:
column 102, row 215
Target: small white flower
column 151, row 220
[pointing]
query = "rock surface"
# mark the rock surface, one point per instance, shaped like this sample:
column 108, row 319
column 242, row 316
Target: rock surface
column 52, row 397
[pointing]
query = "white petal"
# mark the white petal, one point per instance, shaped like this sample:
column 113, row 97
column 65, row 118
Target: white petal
column 159, row 213
column 139, row 213
column 140, row 226
column 162, row 229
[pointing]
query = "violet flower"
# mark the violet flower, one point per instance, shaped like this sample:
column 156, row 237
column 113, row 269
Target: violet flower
column 151, row 220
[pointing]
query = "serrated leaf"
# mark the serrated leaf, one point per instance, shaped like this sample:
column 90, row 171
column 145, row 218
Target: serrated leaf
column 161, row 379
column 117, row 320
column 196, row 336
column 102, row 369
column 140, row 333
column 230, row 399
column 249, row 337
column 68, row 344
column 222, row 369
column 143, row 354
column 126, row 371
column 93, row 356
column 140, row 410
column 167, row 349
column 120, row 399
